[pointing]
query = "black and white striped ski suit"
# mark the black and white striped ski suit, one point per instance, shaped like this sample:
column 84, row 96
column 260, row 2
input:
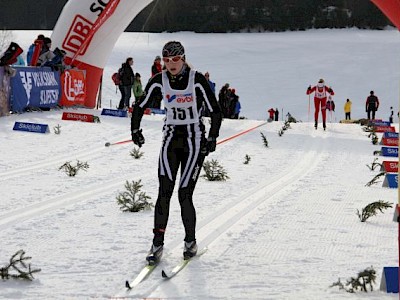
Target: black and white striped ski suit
column 183, row 138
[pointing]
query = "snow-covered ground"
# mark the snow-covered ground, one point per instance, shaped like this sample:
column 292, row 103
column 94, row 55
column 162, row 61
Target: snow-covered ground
column 282, row 227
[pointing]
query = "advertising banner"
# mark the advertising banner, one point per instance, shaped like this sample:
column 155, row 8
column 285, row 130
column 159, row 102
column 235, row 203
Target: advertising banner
column 35, row 87
column 73, row 84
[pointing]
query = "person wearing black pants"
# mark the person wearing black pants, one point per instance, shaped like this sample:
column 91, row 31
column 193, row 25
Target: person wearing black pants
column 184, row 92
column 371, row 105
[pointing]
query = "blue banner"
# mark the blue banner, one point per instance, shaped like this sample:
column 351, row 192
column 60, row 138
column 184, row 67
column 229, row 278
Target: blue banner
column 389, row 135
column 390, row 151
column 35, row 87
column 381, row 123
column 390, row 180
column 114, row 112
column 31, row 127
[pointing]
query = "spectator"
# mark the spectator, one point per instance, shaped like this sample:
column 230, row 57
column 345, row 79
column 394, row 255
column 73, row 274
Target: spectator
column 237, row 110
column 46, row 54
column 223, row 100
column 371, row 105
column 20, row 61
column 156, row 67
column 271, row 112
column 211, row 84
column 137, row 88
column 276, row 114
column 391, row 115
column 321, row 92
column 31, row 49
column 232, row 100
column 347, row 109
column 127, row 78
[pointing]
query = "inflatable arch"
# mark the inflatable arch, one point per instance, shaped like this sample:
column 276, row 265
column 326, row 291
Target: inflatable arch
column 87, row 30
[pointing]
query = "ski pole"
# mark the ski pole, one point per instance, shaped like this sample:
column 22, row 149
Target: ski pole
column 108, row 144
column 309, row 100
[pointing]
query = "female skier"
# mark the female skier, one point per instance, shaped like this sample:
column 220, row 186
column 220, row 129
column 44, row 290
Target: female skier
column 184, row 144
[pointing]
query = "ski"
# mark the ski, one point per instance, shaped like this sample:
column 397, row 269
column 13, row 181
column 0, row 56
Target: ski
column 140, row 277
column 179, row 267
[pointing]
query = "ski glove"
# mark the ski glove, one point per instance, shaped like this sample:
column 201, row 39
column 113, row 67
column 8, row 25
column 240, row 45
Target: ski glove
column 309, row 87
column 137, row 137
column 209, row 146
column 330, row 91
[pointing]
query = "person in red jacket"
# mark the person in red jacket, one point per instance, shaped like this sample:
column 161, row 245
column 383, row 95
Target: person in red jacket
column 156, row 67
column 320, row 96
column 271, row 112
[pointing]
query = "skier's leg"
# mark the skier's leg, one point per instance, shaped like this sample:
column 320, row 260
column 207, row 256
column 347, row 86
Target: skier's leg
column 190, row 170
column 323, row 110
column 316, row 112
column 167, row 170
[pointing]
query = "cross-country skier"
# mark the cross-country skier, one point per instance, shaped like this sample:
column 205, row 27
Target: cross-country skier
column 320, row 96
column 184, row 143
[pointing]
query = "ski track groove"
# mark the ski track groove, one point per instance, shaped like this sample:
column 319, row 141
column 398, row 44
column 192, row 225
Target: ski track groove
column 233, row 212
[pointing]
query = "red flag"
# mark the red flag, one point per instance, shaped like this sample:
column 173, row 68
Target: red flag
column 391, row 9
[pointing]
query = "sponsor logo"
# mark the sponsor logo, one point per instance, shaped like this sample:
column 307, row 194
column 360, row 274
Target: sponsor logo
column 77, row 117
column 393, row 151
column 73, row 87
column 183, row 98
column 30, row 127
column 77, row 35
column 26, row 78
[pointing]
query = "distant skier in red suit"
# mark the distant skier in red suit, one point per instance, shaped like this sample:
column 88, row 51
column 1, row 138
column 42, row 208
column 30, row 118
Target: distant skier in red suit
column 320, row 96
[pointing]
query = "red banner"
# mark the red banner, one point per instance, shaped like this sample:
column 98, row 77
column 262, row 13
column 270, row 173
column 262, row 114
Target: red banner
column 390, row 166
column 391, row 8
column 71, row 116
column 385, row 129
column 73, row 85
column 390, row 142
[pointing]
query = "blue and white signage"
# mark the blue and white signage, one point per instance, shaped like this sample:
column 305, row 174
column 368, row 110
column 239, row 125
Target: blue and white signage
column 390, row 135
column 114, row 112
column 390, row 151
column 31, row 127
column 35, row 87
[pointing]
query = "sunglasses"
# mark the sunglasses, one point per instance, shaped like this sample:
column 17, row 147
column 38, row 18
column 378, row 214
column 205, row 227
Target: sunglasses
column 173, row 58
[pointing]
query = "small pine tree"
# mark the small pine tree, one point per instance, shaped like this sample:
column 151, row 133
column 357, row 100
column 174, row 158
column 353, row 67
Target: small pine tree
column 374, row 165
column 280, row 132
column 133, row 200
column 247, row 159
column 18, row 265
column 363, row 279
column 71, row 170
column 375, row 179
column 136, row 153
column 377, row 152
column 96, row 119
column 214, row 171
column 264, row 138
column 372, row 209
column 57, row 129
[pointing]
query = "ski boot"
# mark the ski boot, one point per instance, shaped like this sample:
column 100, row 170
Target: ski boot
column 190, row 250
column 324, row 125
column 154, row 255
column 316, row 125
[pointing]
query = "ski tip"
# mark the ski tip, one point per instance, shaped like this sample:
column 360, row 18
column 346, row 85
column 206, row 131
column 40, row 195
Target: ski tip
column 127, row 285
column 163, row 274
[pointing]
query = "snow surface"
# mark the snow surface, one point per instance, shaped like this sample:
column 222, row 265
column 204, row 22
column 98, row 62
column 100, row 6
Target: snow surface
column 282, row 227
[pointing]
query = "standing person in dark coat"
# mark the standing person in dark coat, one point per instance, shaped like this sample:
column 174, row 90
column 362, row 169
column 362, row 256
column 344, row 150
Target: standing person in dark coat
column 156, row 67
column 371, row 105
column 223, row 99
column 276, row 114
column 127, row 78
